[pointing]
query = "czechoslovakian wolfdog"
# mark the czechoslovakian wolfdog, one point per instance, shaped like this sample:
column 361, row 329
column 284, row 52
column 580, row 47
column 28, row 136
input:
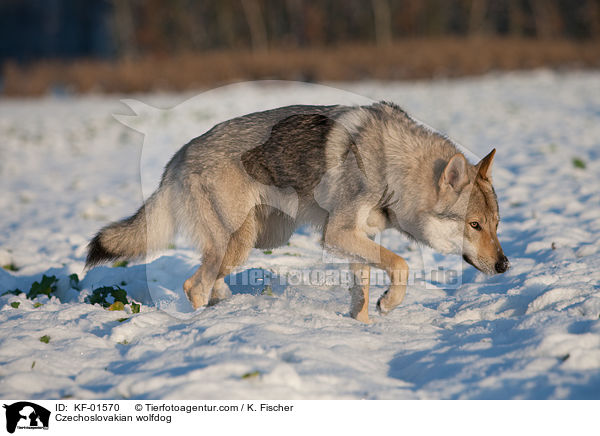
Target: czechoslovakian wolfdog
column 350, row 171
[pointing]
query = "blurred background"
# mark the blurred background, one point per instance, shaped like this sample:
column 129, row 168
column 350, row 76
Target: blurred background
column 74, row 46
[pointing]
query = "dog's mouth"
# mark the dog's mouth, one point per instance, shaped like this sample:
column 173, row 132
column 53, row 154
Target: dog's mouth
column 468, row 260
column 477, row 267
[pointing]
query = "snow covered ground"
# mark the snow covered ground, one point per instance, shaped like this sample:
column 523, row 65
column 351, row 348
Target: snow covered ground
column 67, row 167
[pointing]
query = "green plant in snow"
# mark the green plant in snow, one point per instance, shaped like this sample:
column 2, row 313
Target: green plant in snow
column 46, row 286
column 74, row 281
column 119, row 300
column 117, row 305
column 267, row 290
column 579, row 163
column 100, row 295
column 250, row 375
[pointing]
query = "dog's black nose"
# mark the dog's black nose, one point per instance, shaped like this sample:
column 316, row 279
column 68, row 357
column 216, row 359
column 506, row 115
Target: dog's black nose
column 502, row 265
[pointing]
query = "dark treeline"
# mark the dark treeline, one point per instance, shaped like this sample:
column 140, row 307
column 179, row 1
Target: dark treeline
column 33, row 29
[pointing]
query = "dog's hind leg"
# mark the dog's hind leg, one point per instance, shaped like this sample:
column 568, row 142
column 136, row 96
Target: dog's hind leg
column 359, row 292
column 238, row 249
column 207, row 286
column 220, row 291
column 199, row 286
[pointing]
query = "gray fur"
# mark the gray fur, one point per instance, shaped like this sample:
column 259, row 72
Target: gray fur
column 348, row 171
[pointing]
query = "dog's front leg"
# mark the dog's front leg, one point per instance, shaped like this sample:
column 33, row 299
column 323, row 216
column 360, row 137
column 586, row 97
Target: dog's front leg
column 395, row 293
column 357, row 246
column 359, row 292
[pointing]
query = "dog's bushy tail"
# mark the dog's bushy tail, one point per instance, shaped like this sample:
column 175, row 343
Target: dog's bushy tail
column 150, row 228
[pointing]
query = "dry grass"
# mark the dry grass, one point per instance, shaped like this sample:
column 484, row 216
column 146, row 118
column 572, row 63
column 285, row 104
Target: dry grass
column 405, row 59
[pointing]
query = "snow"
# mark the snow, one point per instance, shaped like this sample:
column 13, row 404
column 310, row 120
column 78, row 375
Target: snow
column 68, row 167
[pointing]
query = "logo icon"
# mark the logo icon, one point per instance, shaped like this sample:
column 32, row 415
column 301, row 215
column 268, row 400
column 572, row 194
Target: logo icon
column 26, row 415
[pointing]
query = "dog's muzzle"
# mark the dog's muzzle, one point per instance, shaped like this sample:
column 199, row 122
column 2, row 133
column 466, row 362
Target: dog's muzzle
column 502, row 265
column 468, row 260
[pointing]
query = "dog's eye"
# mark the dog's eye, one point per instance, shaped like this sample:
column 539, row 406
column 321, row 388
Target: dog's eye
column 475, row 225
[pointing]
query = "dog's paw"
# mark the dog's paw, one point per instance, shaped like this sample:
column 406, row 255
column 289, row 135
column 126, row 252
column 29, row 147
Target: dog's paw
column 390, row 299
column 382, row 308
column 195, row 295
column 220, row 292
column 379, row 309
column 362, row 317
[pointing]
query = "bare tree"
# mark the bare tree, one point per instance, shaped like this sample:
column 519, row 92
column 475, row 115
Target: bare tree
column 516, row 18
column 256, row 24
column 226, row 30
column 548, row 23
column 124, row 27
column 383, row 23
column 477, row 24
column 592, row 14
column 296, row 20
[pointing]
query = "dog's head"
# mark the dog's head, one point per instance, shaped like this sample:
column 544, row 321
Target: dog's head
column 466, row 214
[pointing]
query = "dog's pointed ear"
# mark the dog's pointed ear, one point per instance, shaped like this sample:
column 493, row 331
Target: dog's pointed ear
column 455, row 174
column 484, row 167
